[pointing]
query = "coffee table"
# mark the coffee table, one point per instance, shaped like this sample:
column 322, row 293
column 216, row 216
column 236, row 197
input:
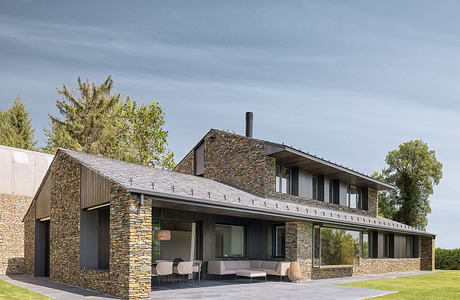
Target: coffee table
column 250, row 274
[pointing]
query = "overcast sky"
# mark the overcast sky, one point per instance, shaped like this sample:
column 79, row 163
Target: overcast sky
column 347, row 80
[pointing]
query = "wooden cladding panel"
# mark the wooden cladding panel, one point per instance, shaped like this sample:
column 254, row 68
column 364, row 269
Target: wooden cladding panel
column 199, row 159
column 94, row 189
column 42, row 206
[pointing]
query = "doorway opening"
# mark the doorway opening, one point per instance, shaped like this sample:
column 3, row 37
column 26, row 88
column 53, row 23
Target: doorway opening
column 42, row 248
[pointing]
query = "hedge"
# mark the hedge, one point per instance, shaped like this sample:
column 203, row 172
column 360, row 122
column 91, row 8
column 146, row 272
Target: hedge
column 448, row 259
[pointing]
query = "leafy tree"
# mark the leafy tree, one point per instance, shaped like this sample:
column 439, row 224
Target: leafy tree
column 98, row 121
column 386, row 204
column 15, row 128
column 144, row 136
column 414, row 170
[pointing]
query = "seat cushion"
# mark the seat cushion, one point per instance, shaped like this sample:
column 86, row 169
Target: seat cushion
column 244, row 264
column 251, row 273
column 255, row 264
column 268, row 265
column 271, row 272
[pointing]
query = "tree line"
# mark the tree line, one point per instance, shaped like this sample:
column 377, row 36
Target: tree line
column 97, row 120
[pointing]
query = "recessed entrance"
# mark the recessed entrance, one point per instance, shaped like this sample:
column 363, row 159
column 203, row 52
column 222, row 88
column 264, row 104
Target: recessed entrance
column 42, row 248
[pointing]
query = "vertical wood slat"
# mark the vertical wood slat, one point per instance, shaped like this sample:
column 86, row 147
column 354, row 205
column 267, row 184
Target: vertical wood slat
column 42, row 206
column 94, row 189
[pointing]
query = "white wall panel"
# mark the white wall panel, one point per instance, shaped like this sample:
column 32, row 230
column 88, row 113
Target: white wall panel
column 22, row 171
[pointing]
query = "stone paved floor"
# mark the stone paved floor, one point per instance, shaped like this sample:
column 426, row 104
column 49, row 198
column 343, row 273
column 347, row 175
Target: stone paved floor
column 323, row 289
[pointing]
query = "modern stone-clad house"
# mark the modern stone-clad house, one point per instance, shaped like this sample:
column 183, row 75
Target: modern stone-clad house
column 232, row 197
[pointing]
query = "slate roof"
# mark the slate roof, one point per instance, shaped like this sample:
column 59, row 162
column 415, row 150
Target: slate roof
column 195, row 189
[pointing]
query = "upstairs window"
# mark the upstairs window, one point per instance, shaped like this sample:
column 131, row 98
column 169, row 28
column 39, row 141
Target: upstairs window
column 354, row 197
column 283, row 179
column 315, row 188
column 334, row 186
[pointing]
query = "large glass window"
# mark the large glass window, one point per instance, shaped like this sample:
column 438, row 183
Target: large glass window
column 339, row 247
column 181, row 244
column 283, row 180
column 279, row 240
column 410, row 246
column 316, row 246
column 366, row 245
column 229, row 240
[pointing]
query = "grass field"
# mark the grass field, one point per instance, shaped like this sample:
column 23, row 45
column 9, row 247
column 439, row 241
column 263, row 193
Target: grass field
column 445, row 285
column 11, row 291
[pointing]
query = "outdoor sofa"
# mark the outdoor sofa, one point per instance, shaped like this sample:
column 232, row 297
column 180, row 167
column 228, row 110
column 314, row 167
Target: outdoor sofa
column 230, row 267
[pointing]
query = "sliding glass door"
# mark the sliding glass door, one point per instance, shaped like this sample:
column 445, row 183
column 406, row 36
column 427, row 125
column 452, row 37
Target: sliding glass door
column 182, row 244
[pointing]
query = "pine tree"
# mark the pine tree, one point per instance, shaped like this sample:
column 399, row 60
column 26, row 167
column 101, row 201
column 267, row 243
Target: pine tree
column 15, row 128
column 89, row 118
column 98, row 121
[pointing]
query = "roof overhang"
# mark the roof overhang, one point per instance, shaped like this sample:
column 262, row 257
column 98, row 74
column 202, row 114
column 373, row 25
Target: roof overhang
column 179, row 202
column 290, row 158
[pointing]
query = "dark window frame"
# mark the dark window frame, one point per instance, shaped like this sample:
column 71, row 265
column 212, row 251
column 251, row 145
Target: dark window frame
column 334, row 191
column 279, row 179
column 315, row 187
column 274, row 232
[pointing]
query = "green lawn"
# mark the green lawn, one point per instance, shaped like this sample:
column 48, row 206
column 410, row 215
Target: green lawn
column 11, row 291
column 445, row 285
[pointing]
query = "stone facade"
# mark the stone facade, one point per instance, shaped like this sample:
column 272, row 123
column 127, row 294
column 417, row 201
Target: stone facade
column 130, row 237
column 427, row 253
column 387, row 265
column 29, row 241
column 236, row 160
column 186, row 165
column 12, row 210
column 241, row 162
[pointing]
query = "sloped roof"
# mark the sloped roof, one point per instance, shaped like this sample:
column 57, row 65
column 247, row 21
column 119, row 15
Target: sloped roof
column 196, row 190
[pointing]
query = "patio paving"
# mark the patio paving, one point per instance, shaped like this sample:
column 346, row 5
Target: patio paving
column 323, row 289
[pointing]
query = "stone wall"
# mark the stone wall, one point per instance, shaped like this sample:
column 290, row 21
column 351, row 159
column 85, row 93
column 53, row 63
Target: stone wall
column 236, row 160
column 299, row 238
column 186, row 165
column 373, row 203
column 387, row 265
column 130, row 237
column 369, row 266
column 12, row 210
column 29, row 241
column 427, row 253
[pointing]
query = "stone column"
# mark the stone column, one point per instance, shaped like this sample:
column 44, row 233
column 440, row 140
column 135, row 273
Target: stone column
column 140, row 249
column 299, row 245
column 427, row 257
column 131, row 245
